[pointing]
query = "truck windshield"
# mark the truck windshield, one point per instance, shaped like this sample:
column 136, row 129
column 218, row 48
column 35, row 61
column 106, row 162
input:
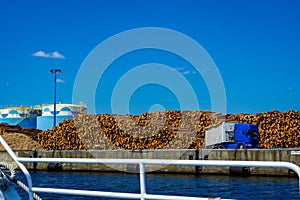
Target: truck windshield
column 252, row 132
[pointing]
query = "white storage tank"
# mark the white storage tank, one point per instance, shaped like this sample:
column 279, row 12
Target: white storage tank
column 24, row 116
column 63, row 111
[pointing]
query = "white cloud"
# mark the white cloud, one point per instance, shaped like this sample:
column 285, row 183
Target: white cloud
column 41, row 54
column 186, row 72
column 60, row 81
column 54, row 54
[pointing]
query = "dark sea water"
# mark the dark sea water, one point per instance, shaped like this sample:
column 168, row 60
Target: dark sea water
column 187, row 185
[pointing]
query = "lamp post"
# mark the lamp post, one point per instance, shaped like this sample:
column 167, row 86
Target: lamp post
column 55, row 71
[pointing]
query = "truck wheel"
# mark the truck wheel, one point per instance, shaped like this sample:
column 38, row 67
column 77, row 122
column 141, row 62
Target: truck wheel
column 241, row 146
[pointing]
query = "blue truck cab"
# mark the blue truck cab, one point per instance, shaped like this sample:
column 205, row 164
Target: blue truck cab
column 245, row 136
column 232, row 135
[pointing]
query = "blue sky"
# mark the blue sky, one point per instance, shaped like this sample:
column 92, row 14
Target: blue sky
column 255, row 45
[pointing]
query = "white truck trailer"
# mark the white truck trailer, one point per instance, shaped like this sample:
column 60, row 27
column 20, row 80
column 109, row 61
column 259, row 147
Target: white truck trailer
column 232, row 135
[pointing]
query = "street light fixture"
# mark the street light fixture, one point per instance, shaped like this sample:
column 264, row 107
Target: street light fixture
column 55, row 71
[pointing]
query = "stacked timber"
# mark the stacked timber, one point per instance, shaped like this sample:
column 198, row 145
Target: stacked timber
column 276, row 129
column 62, row 137
column 157, row 130
column 19, row 141
column 164, row 130
column 19, row 138
column 30, row 132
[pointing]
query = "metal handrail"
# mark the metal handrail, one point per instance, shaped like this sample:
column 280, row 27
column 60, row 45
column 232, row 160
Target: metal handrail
column 141, row 162
column 20, row 165
column 295, row 153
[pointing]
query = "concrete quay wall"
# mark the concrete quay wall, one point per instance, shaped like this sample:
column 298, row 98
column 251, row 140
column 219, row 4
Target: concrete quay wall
column 215, row 154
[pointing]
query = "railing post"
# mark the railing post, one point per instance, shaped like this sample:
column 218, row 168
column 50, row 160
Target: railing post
column 20, row 165
column 142, row 180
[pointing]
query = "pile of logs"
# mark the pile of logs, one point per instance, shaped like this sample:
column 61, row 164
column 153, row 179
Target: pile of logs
column 276, row 129
column 62, row 137
column 19, row 138
column 164, row 130
column 19, row 141
column 158, row 130
column 30, row 132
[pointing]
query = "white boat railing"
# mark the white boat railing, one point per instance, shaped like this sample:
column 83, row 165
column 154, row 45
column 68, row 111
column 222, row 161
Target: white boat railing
column 141, row 162
column 295, row 153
